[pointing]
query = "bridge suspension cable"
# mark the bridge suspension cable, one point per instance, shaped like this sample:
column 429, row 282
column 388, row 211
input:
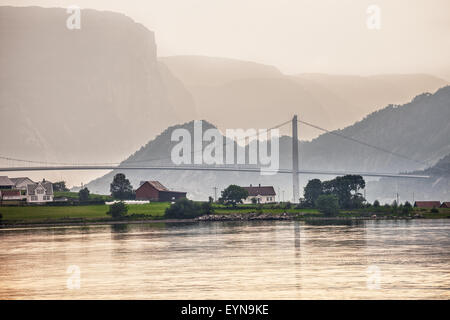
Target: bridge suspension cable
column 367, row 144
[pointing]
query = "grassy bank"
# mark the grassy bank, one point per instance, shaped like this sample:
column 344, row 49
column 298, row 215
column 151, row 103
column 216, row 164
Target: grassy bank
column 152, row 211
column 90, row 212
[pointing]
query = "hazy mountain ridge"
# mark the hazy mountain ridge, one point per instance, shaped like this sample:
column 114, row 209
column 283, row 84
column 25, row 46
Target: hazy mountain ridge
column 436, row 188
column 232, row 93
column 418, row 130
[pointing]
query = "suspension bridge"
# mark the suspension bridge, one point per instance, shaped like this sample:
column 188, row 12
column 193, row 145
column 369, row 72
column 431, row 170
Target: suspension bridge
column 295, row 171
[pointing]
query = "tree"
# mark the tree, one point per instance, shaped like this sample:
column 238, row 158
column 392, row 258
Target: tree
column 187, row 209
column 234, row 194
column 312, row 191
column 118, row 209
column 346, row 189
column 60, row 186
column 376, row 203
column 328, row 204
column 407, row 208
column 83, row 194
column 121, row 188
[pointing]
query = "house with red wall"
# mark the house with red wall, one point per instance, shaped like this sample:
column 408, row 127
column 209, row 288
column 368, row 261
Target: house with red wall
column 155, row 191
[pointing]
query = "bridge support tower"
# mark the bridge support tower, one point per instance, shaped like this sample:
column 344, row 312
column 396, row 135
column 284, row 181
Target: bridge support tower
column 295, row 182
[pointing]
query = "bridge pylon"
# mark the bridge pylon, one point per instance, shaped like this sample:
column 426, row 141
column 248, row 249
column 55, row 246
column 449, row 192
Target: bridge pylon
column 295, row 182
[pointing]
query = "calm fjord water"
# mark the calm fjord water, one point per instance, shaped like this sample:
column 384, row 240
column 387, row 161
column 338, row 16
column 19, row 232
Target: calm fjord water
column 229, row 260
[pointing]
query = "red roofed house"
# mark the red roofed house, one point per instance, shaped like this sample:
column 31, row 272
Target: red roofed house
column 427, row 204
column 263, row 194
column 155, row 191
column 445, row 204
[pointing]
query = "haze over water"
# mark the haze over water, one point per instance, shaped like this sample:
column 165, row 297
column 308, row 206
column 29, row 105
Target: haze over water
column 230, row 260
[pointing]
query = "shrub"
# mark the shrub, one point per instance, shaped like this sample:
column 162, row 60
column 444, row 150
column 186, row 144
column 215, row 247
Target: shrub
column 328, row 204
column 186, row 209
column 83, row 194
column 407, row 208
column 207, row 208
column 259, row 209
column 118, row 210
column 434, row 210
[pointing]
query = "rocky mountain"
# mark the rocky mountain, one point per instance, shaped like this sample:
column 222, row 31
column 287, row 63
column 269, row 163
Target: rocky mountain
column 395, row 139
column 232, row 93
column 93, row 94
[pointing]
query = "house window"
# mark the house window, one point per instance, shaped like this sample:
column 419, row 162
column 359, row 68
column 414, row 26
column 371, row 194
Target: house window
column 39, row 191
column 34, row 198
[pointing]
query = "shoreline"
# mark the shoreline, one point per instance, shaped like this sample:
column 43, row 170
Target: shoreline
column 205, row 218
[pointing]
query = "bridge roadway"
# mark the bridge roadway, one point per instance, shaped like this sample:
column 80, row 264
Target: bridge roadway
column 211, row 168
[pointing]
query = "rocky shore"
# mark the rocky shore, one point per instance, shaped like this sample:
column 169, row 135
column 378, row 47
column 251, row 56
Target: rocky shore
column 248, row 216
column 295, row 216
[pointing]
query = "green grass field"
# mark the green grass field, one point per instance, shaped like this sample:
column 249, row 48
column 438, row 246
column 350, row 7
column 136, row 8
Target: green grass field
column 37, row 213
column 155, row 210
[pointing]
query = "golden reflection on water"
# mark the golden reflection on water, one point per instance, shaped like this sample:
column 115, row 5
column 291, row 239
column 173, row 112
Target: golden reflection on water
column 230, row 260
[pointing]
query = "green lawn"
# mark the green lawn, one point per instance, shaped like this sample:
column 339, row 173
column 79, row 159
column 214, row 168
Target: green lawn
column 36, row 213
column 155, row 210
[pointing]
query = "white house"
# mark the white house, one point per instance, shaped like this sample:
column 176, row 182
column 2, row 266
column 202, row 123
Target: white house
column 261, row 194
column 21, row 183
column 6, row 183
column 40, row 192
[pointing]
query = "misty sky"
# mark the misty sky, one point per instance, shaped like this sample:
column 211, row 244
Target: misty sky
column 297, row 36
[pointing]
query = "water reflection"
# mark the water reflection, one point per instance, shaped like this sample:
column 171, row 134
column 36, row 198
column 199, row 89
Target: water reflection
column 249, row 260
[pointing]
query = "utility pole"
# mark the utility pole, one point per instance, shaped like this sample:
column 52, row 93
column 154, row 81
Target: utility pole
column 295, row 183
column 215, row 194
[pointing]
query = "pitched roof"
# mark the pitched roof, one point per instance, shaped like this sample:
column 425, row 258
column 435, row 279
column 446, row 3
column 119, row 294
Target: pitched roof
column 17, row 181
column 5, row 181
column 48, row 187
column 260, row 191
column 158, row 185
column 445, row 204
column 427, row 204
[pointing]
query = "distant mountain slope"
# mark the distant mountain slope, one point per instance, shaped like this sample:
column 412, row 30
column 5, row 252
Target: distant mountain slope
column 93, row 95
column 232, row 93
column 437, row 187
column 418, row 130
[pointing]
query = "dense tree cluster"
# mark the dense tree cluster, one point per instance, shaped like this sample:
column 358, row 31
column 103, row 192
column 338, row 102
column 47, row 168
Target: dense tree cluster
column 345, row 188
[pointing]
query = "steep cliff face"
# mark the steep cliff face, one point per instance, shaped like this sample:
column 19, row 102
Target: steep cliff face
column 93, row 94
